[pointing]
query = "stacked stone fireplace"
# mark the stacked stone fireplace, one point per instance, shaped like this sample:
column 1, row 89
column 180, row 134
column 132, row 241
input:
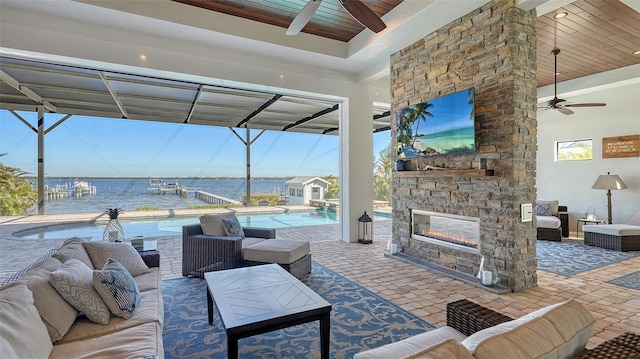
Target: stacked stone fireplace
column 493, row 50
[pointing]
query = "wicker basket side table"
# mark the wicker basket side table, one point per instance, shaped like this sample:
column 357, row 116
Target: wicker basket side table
column 468, row 317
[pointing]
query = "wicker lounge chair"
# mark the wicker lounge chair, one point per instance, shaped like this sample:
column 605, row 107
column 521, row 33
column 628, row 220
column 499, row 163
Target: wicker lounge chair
column 620, row 237
column 203, row 253
column 555, row 233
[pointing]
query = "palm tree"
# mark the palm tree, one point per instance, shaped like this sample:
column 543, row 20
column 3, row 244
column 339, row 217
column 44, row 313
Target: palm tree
column 382, row 175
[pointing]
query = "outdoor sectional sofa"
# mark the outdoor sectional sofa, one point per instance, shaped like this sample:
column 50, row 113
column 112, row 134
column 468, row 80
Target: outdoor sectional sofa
column 38, row 322
column 558, row 331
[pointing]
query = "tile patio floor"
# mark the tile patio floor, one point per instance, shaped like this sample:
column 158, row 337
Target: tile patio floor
column 419, row 290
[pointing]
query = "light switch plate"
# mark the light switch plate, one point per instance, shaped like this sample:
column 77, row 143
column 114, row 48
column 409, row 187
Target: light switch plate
column 526, row 212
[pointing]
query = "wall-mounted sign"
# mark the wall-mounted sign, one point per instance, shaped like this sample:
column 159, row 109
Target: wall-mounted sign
column 622, row 146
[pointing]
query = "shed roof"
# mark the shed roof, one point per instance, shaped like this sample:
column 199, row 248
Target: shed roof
column 305, row 180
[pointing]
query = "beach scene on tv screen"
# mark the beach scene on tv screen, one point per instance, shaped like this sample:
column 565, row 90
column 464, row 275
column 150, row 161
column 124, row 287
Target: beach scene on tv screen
column 440, row 126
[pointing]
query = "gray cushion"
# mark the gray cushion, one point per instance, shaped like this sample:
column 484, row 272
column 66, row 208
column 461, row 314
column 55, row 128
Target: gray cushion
column 124, row 253
column 413, row 345
column 620, row 230
column 212, row 223
column 24, row 335
column 74, row 281
column 548, row 222
column 56, row 313
column 557, row 331
column 280, row 251
column 73, row 248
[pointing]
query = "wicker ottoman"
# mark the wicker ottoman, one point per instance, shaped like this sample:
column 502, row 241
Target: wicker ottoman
column 293, row 256
column 621, row 237
column 625, row 346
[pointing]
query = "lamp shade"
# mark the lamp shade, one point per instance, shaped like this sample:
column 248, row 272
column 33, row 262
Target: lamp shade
column 609, row 181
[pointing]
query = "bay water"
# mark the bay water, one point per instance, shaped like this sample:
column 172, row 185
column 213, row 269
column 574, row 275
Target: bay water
column 130, row 193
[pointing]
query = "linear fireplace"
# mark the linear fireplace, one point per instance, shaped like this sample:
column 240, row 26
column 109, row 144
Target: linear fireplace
column 459, row 232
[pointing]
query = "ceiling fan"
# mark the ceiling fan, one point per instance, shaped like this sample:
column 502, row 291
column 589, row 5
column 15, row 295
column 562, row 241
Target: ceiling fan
column 561, row 104
column 356, row 8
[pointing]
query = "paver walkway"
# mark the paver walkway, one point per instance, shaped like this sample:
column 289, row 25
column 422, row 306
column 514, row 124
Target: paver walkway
column 418, row 290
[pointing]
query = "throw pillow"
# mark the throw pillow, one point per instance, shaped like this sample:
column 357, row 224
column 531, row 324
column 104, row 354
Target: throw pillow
column 74, row 281
column 125, row 254
column 232, row 227
column 211, row 224
column 24, row 335
column 543, row 208
column 56, row 313
column 117, row 288
column 72, row 248
column 553, row 205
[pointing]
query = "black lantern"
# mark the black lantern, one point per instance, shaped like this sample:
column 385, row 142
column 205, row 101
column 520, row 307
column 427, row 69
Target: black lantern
column 364, row 229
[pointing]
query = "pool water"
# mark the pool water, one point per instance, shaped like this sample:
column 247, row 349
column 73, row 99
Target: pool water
column 156, row 227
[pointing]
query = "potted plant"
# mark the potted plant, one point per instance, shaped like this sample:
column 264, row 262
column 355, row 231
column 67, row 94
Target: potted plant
column 113, row 232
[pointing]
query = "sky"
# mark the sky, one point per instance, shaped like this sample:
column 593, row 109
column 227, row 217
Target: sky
column 100, row 147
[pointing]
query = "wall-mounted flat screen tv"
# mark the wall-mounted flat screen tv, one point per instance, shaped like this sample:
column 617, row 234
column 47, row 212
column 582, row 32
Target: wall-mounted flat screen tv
column 444, row 125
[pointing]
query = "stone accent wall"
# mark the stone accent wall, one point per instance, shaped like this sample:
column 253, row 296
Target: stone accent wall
column 493, row 50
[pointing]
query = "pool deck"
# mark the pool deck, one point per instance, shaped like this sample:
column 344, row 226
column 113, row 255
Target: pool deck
column 419, row 290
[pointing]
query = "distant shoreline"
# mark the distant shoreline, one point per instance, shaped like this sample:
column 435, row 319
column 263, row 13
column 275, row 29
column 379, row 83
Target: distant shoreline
column 161, row 177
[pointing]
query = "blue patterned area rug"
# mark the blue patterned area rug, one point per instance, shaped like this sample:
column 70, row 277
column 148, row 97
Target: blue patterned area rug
column 571, row 257
column 360, row 319
column 631, row 280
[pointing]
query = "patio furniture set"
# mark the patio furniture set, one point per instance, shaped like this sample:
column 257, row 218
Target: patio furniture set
column 219, row 242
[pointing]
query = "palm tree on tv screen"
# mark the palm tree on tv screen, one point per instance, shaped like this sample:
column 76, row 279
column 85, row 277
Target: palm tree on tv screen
column 420, row 112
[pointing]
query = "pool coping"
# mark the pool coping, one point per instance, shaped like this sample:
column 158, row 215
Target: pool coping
column 13, row 224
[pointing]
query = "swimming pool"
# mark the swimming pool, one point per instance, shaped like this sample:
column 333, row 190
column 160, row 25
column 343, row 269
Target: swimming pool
column 157, row 227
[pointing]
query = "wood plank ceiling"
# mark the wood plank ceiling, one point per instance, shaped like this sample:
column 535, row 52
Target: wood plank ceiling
column 595, row 36
column 331, row 20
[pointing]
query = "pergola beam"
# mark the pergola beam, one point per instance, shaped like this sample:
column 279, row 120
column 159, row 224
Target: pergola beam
column 312, row 117
column 260, row 109
column 26, row 91
column 194, row 103
column 113, row 95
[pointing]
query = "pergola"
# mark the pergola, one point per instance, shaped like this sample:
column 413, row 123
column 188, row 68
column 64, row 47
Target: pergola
column 50, row 87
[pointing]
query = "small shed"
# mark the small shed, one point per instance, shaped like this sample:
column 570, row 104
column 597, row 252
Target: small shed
column 303, row 189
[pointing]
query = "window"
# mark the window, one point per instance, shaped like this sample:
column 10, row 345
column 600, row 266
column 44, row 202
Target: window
column 575, row 150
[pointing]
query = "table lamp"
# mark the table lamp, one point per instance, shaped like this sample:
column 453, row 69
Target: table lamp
column 609, row 182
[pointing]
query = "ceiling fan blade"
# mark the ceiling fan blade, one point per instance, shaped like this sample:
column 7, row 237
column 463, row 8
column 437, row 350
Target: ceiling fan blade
column 566, row 111
column 594, row 104
column 303, row 17
column 364, row 15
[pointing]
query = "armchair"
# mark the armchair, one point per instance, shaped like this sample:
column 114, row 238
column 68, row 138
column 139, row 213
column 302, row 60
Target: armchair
column 205, row 253
column 553, row 221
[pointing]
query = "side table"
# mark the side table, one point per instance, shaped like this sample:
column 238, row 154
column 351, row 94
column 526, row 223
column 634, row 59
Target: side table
column 151, row 257
column 586, row 221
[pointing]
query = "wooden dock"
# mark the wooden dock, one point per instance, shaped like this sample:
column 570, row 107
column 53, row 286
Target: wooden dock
column 215, row 199
column 157, row 186
column 57, row 192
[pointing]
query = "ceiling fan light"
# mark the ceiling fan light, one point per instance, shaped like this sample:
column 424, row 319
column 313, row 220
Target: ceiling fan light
column 560, row 15
column 636, row 52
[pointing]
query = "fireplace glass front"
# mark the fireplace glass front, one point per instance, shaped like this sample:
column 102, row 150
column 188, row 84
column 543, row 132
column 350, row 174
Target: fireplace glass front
column 445, row 229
